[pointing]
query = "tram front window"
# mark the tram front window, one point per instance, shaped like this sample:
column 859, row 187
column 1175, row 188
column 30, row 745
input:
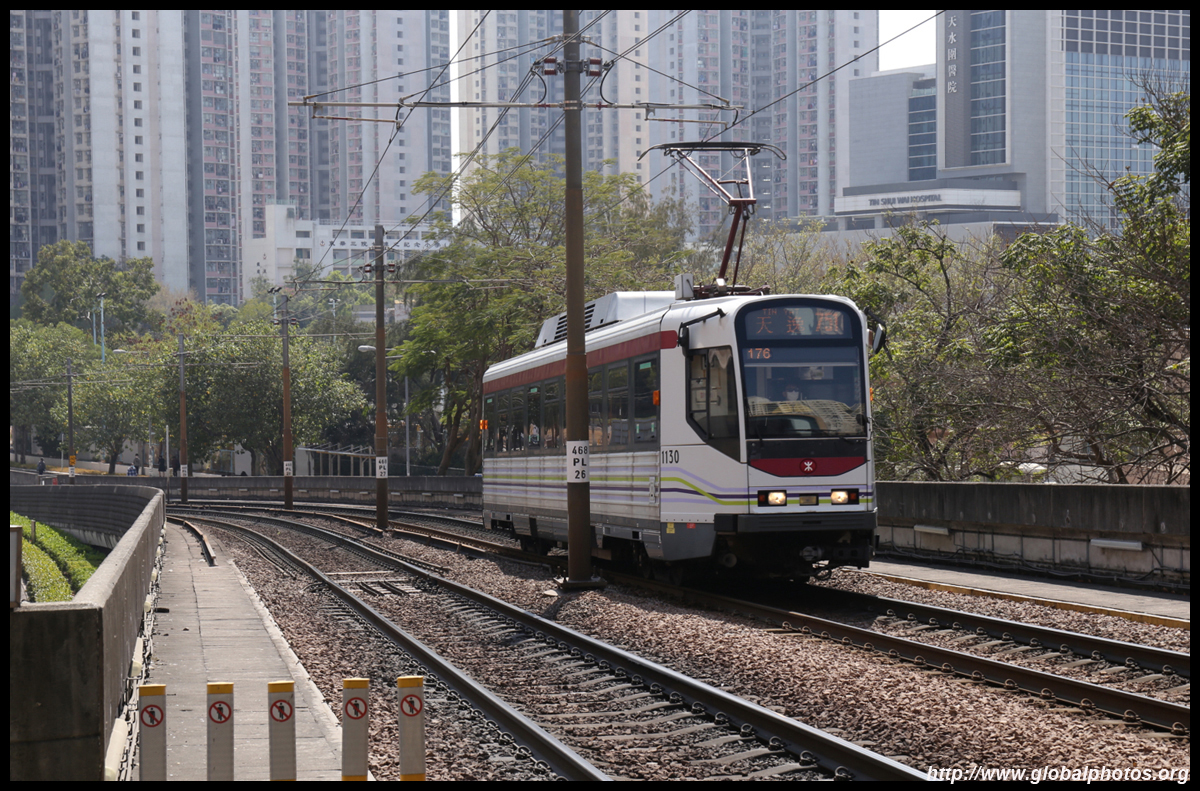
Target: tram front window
column 805, row 398
column 803, row 370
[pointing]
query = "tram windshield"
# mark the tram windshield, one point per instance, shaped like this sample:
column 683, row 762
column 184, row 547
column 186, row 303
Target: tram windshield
column 802, row 369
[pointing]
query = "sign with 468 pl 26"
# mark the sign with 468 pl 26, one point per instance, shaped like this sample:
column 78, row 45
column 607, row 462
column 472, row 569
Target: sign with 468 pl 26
column 577, row 461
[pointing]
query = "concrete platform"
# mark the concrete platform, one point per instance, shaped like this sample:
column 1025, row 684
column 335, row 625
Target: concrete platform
column 217, row 630
column 1165, row 608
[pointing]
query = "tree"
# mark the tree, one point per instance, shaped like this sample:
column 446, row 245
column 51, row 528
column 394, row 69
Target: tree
column 64, row 284
column 506, row 273
column 790, row 261
column 1100, row 332
column 37, row 379
column 235, row 392
column 111, row 403
column 939, row 413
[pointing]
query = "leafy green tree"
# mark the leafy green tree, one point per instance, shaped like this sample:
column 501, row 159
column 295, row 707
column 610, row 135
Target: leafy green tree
column 938, row 410
column 64, row 284
column 505, row 273
column 111, row 403
column 235, row 392
column 37, row 379
column 1099, row 335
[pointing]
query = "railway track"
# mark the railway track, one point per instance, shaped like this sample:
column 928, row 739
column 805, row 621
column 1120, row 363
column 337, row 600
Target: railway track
column 1117, row 662
column 616, row 708
column 1129, row 706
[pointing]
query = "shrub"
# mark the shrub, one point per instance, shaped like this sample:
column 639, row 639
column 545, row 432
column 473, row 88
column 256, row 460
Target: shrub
column 43, row 581
column 77, row 561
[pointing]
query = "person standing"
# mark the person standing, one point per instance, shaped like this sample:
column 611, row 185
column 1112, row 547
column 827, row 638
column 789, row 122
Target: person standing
column 41, row 467
column 162, row 466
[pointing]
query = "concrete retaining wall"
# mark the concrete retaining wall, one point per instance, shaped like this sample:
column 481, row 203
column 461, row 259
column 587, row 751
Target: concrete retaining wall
column 1046, row 525
column 1050, row 525
column 68, row 662
column 442, row 491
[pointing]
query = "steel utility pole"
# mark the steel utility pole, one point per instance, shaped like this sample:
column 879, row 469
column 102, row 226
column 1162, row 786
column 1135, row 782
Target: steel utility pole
column 71, row 419
column 183, row 459
column 579, row 517
column 381, row 454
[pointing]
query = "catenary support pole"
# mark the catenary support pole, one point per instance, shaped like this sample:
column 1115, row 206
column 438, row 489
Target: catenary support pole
column 183, row 459
column 579, row 527
column 288, row 454
column 381, row 450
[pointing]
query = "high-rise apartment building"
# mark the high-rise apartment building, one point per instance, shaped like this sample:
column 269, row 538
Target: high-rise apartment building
column 746, row 58
column 167, row 134
column 32, row 164
column 500, row 48
column 382, row 56
column 97, row 137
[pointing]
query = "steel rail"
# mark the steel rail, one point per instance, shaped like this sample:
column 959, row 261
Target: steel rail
column 1131, row 655
column 844, row 759
column 1129, row 706
column 562, row 759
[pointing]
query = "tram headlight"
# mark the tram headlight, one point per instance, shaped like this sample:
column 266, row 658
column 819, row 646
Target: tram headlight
column 844, row 497
column 769, row 498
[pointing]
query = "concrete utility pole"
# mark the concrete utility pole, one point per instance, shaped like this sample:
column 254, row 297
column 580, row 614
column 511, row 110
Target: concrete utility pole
column 381, row 451
column 579, row 517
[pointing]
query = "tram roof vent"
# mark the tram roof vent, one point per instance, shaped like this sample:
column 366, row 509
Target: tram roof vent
column 604, row 312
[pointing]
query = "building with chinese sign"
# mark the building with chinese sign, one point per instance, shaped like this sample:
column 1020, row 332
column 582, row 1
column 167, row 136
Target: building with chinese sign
column 1017, row 124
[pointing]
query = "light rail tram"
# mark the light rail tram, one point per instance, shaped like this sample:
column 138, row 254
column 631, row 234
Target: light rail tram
column 729, row 433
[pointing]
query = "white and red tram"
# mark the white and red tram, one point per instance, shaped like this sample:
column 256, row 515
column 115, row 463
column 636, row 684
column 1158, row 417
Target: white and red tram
column 732, row 432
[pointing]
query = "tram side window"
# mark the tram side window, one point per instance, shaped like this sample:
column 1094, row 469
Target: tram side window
column 533, row 401
column 517, row 425
column 596, row 421
column 502, row 423
column 552, row 421
column 618, row 403
column 645, row 401
column 712, row 398
column 490, row 426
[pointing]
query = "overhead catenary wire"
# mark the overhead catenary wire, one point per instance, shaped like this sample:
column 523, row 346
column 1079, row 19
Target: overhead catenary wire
column 395, row 132
column 829, row 73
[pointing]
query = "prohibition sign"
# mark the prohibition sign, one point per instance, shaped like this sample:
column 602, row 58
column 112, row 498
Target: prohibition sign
column 152, row 716
column 281, row 711
column 411, row 705
column 356, row 708
column 220, row 712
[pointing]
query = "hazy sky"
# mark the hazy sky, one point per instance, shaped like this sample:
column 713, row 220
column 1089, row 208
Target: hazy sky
column 915, row 48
